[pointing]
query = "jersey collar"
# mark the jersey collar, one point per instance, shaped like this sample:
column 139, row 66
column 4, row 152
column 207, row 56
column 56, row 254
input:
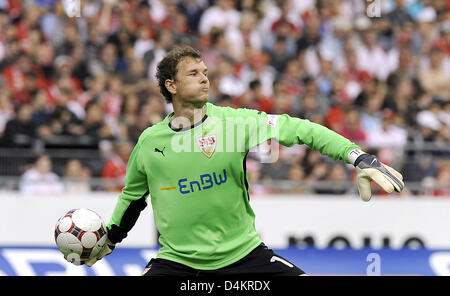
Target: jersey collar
column 188, row 127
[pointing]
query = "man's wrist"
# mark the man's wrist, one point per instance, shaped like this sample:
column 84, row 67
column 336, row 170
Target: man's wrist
column 354, row 154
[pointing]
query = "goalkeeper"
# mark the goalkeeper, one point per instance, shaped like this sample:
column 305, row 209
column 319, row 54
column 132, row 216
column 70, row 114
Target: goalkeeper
column 191, row 166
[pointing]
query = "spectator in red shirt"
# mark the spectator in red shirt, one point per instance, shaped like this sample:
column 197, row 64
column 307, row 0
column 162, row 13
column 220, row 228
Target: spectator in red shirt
column 254, row 98
column 263, row 102
column 15, row 74
column 352, row 127
column 115, row 167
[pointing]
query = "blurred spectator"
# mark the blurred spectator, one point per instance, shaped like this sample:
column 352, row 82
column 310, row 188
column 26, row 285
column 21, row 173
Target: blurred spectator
column 246, row 35
column 62, row 120
column 311, row 164
column 129, row 116
column 115, row 167
column 401, row 100
column 79, row 68
column 193, row 9
column 25, row 95
column 279, row 55
column 419, row 171
column 20, row 131
column 312, row 102
column 352, row 128
column 406, row 63
column 429, row 118
column 259, row 68
column 254, row 98
column 325, row 77
column 433, row 78
column 143, row 14
column 336, row 179
column 308, row 107
column 135, row 81
column 146, row 118
column 292, row 79
column 76, row 177
column 296, row 176
column 217, row 47
column 52, row 23
column 94, row 125
column 163, row 41
column 371, row 56
column 282, row 99
column 369, row 87
column 143, row 44
column 230, row 83
column 64, row 80
column 15, row 77
column 222, row 15
column 96, row 88
column 335, row 117
column 275, row 171
column 371, row 116
column 389, row 135
column 39, row 178
column 41, row 111
column 428, row 31
column 311, row 35
column 111, row 103
column 108, row 61
column 398, row 16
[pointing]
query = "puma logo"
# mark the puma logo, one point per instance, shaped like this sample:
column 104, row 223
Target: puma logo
column 160, row 151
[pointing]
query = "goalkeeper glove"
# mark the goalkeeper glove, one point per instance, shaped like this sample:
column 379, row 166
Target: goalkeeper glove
column 106, row 250
column 368, row 168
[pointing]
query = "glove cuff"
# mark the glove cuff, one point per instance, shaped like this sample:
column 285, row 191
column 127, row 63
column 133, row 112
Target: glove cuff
column 110, row 244
column 353, row 156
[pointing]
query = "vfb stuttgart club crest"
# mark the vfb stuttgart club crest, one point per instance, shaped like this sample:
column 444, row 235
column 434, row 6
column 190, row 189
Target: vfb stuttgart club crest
column 207, row 145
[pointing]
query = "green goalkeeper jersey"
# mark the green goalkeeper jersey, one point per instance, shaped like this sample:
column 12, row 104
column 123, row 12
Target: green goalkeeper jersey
column 198, row 184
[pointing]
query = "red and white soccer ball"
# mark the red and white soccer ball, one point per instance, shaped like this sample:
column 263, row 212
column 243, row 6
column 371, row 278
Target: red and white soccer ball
column 80, row 234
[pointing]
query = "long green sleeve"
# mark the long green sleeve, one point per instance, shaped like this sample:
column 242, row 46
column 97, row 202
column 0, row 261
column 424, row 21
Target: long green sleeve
column 289, row 130
column 131, row 201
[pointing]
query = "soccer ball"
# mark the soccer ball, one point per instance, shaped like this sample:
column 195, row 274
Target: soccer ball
column 80, row 234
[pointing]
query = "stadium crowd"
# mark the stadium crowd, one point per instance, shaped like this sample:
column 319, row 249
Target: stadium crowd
column 85, row 78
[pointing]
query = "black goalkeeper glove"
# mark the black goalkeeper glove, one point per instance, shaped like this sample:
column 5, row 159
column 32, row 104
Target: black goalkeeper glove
column 368, row 168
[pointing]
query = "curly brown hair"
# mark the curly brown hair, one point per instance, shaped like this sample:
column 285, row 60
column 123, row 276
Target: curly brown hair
column 167, row 68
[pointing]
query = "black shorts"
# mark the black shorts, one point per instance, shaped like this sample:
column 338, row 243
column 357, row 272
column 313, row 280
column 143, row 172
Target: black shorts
column 261, row 261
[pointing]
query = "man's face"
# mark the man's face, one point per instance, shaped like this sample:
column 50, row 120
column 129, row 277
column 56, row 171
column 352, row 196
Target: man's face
column 436, row 58
column 25, row 113
column 192, row 83
column 44, row 165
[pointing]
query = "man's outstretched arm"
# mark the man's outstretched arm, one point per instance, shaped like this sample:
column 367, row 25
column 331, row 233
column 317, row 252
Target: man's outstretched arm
column 289, row 130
